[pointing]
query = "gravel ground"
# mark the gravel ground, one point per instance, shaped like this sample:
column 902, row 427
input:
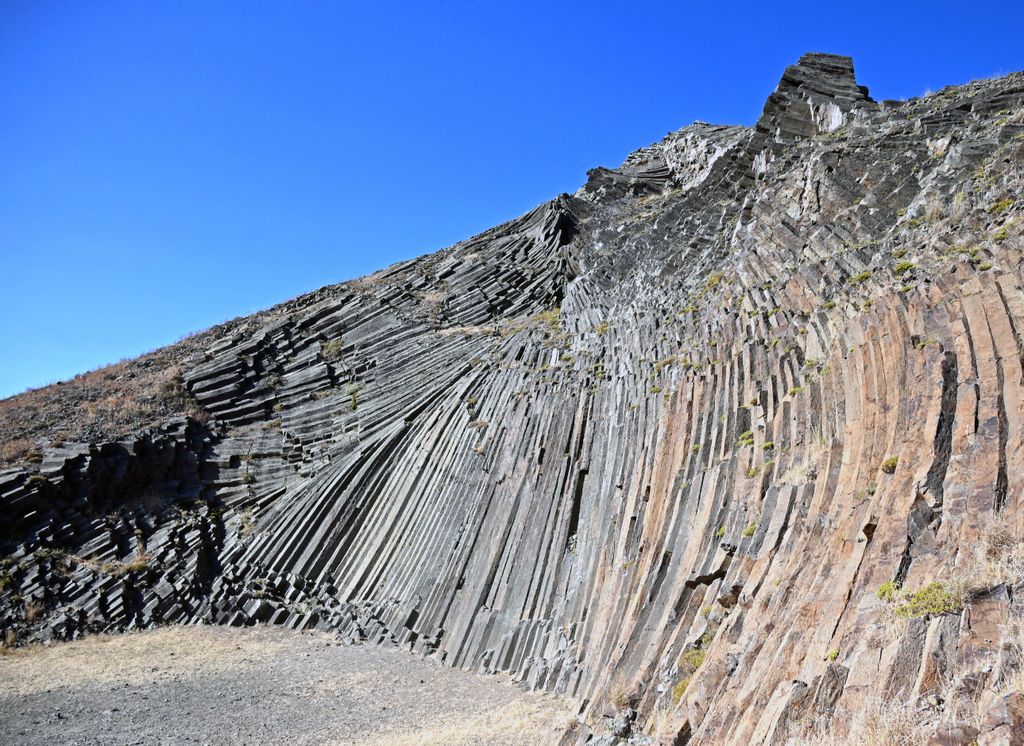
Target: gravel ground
column 218, row 685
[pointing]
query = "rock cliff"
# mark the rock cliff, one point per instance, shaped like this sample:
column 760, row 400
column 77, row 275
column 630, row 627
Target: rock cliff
column 728, row 445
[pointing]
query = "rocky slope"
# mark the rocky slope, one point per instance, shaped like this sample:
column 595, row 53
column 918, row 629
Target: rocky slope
column 728, row 446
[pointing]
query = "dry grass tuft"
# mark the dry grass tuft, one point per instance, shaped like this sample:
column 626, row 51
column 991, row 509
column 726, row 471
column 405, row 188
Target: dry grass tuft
column 999, row 560
column 516, row 723
column 13, row 451
column 34, row 611
column 878, row 723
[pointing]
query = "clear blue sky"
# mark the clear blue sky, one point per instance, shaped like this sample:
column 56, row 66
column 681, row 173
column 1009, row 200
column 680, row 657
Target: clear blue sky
column 165, row 166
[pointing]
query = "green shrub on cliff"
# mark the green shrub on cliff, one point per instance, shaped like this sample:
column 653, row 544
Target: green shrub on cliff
column 932, row 600
column 887, row 591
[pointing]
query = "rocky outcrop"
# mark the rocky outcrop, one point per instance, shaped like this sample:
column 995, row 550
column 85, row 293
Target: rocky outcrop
column 816, row 96
column 726, row 445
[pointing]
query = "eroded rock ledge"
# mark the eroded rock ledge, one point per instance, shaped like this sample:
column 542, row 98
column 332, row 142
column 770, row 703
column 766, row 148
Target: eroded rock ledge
column 692, row 445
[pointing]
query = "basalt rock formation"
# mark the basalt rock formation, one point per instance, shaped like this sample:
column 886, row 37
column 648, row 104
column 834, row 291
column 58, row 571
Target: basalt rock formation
column 728, row 445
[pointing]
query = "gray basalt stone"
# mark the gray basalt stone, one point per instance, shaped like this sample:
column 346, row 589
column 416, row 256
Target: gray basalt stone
column 625, row 444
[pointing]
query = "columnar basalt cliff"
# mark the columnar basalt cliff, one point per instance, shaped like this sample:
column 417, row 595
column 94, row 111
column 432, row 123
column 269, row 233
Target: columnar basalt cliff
column 728, row 445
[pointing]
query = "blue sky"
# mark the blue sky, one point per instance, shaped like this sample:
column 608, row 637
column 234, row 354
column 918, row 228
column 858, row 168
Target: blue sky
column 165, row 166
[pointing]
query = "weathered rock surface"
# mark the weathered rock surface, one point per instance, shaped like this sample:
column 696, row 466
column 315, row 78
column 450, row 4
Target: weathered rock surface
column 656, row 445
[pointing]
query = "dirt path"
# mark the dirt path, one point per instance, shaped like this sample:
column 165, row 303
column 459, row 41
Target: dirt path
column 217, row 685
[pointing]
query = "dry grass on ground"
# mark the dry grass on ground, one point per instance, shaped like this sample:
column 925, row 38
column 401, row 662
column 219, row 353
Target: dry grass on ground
column 260, row 685
column 132, row 656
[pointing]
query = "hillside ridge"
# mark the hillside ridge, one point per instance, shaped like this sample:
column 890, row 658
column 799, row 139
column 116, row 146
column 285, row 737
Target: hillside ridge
column 727, row 445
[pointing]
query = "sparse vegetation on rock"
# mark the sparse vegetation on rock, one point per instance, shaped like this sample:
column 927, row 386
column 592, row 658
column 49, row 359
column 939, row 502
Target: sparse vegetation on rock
column 527, row 456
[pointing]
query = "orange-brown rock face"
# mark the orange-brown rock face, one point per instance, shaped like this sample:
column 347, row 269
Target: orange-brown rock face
column 729, row 445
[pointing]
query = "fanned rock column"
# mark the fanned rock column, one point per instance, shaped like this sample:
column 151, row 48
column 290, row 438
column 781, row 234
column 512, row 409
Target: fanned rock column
column 728, row 445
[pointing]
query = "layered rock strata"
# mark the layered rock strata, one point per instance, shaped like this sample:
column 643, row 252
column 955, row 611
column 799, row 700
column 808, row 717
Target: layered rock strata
column 728, row 445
